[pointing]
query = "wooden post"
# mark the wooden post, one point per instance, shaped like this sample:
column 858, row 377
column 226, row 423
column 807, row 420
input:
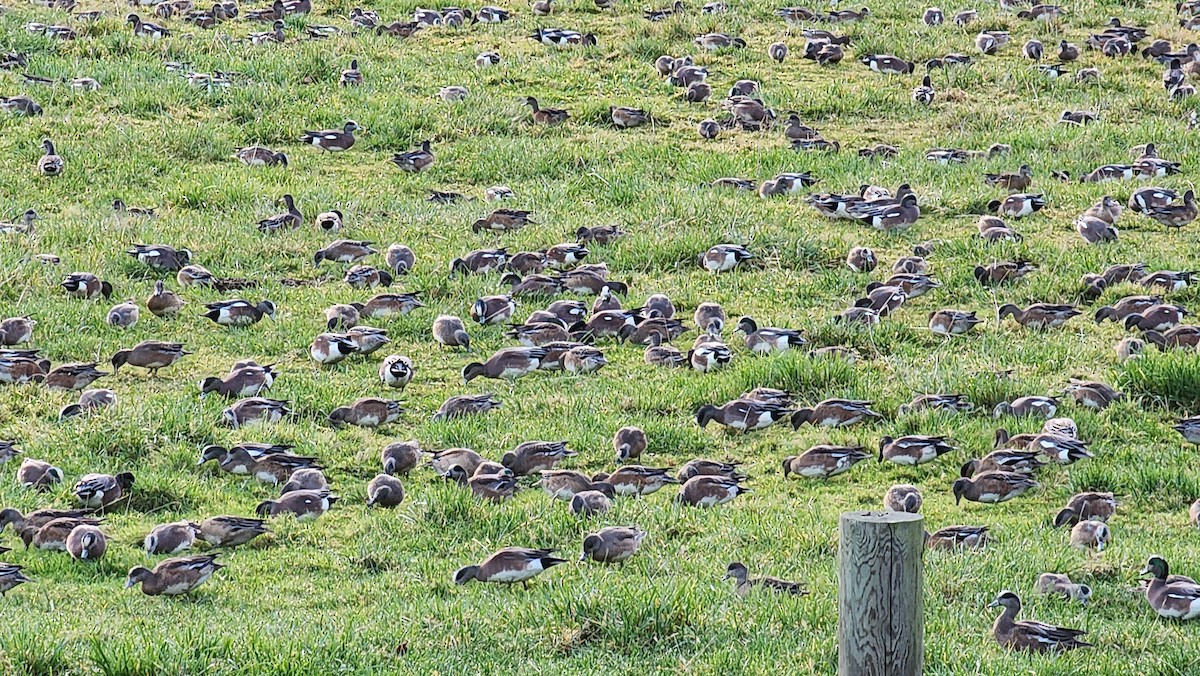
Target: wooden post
column 881, row 626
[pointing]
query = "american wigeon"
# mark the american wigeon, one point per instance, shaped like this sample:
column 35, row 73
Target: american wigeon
column 258, row 156
column 467, row 404
column 98, row 491
column 304, row 505
column 332, row 140
column 835, row 413
column 1057, row 584
column 991, row 487
column 887, row 64
column 1029, row 635
column 171, row 538
column 1044, row 407
column 531, row 457
column 509, row 565
column 385, row 491
column 613, row 544
column 957, row 537
column 1087, row 506
column 913, row 449
column 636, row 479
column 85, row 285
column 1173, row 600
column 37, row 474
column 367, row 412
column 1039, row 315
column 743, row 415
column 1090, row 534
column 824, row 461
column 173, row 577
column 710, row 490
column 86, row 543
column 745, row 584
column 903, row 498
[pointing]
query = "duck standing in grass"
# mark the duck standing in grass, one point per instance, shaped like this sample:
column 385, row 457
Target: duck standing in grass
column 509, row 565
column 173, row 577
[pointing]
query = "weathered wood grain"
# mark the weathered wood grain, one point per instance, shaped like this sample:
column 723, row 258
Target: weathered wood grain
column 880, row 594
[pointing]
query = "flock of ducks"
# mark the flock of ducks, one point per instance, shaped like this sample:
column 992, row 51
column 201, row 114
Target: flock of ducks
column 569, row 335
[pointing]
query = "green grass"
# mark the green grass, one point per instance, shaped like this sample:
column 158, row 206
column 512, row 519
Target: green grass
column 341, row 594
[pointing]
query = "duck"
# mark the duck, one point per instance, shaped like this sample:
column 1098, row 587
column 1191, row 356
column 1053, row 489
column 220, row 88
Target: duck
column 887, row 64
column 467, row 404
column 1060, row 449
column 1143, row 200
column 255, row 411
column 123, row 315
column 835, row 413
column 1090, row 534
column 239, row 312
column 532, row 457
column 367, row 412
column 24, row 227
column 161, row 256
column 666, row 356
column 745, row 584
column 636, row 479
column 390, row 304
column 991, row 487
column 503, row 220
column 1018, row 205
column 98, row 491
column 707, row 490
column 85, row 285
column 913, row 449
column 824, row 461
column 367, row 277
column 743, row 415
column 1057, row 584
column 630, row 442
column 507, row 364
column 890, row 217
column 305, row 505
column 715, row 41
column 384, row 490
column 149, row 354
column 37, row 474
column 1039, row 315
column 396, row 371
column 258, row 156
column 591, row 502
column 174, row 577
column 1016, row 182
column 957, row 537
column 1175, row 215
column 563, row 484
column 333, row 140
column 953, row 403
column 508, row 566
column 331, row 348
column 146, row 30
column 1177, row 600
column 558, row 37
column 613, row 544
column 862, row 259
column 449, row 331
column 1020, row 407
column 924, row 93
column 11, row 577
column 769, row 340
column 1033, row 50
column 352, row 76
column 933, row 16
column 344, row 250
column 547, row 116
column 903, row 498
column 86, row 543
column 624, row 117
column 583, row 359
column 1127, row 306
column 1095, row 230
column 952, row 322
column 246, row 381
column 724, row 257
column 1093, row 395
column 415, row 161
column 171, row 538
column 89, row 401
column 290, row 219
column 231, row 531
column 1029, row 635
column 164, row 302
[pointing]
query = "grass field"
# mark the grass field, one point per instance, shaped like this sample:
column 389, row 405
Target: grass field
column 340, row 594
